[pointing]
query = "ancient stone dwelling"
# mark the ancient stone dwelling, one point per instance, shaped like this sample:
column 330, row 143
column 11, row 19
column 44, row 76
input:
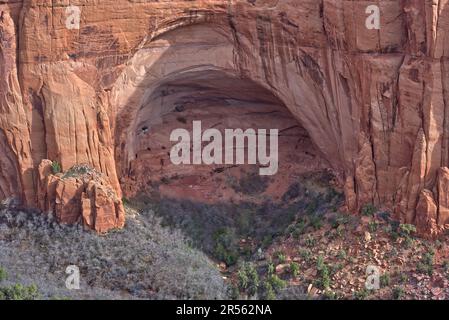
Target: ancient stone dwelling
column 80, row 89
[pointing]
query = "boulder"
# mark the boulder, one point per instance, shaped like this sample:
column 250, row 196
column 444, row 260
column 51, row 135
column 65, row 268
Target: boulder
column 81, row 195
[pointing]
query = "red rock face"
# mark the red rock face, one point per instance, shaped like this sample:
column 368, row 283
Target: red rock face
column 373, row 102
column 81, row 195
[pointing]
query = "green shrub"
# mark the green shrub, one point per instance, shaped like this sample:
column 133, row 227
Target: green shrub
column 277, row 283
column 248, row 279
column 225, row 248
column 339, row 220
column 281, row 257
column 320, row 263
column 267, row 241
column 361, row 294
column 406, row 229
column 398, row 293
column 426, row 263
column 324, row 280
column 299, row 229
column 125, row 201
column 77, row 170
column 385, row 280
column 403, row 277
column 369, row 210
column 306, row 255
column 19, row 292
column 310, row 241
column 270, row 267
column 294, row 269
column 243, row 280
column 56, row 167
column 268, row 292
column 316, row 222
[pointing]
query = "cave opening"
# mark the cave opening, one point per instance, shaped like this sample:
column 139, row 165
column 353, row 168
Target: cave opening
column 221, row 101
column 217, row 204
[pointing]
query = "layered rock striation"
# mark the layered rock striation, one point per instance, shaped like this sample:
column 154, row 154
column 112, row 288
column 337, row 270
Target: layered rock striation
column 374, row 102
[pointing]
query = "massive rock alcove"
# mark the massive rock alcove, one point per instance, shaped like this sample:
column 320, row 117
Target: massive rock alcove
column 190, row 75
column 373, row 102
column 220, row 101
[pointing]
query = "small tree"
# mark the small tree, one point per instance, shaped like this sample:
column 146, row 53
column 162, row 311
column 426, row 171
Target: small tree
column 56, row 167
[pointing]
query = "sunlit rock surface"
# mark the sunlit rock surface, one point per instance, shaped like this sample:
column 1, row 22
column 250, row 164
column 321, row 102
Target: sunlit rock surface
column 372, row 102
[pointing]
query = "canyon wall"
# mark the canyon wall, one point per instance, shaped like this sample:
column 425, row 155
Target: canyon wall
column 373, row 101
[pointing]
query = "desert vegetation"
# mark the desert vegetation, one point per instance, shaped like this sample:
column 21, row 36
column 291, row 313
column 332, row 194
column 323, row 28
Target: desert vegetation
column 302, row 248
column 144, row 260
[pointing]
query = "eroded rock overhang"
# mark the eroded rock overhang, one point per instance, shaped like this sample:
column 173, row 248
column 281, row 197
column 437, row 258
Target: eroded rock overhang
column 372, row 101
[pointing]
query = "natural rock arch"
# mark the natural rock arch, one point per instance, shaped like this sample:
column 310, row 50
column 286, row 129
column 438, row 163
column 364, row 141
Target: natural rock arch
column 183, row 65
column 207, row 48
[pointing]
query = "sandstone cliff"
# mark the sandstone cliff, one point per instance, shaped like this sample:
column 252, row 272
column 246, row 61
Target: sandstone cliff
column 374, row 102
